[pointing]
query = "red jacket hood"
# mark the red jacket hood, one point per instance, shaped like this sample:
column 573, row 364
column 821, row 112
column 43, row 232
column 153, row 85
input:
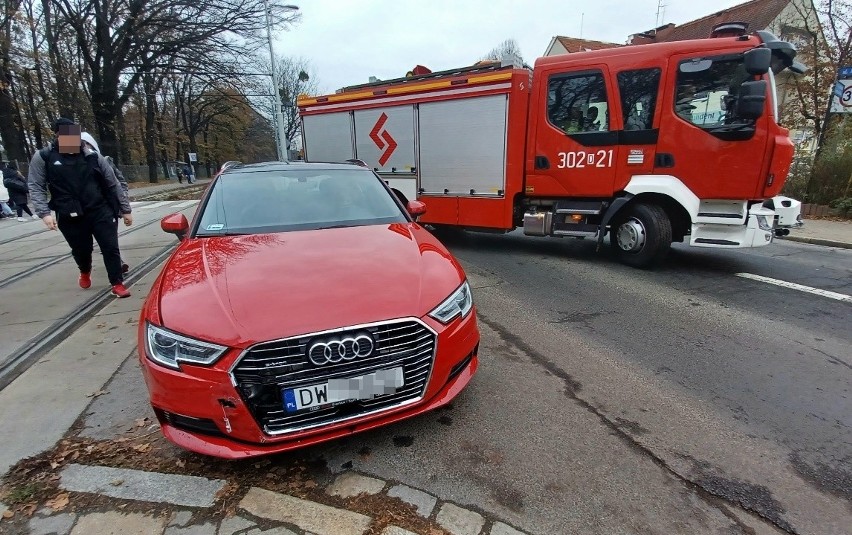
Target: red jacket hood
column 237, row 290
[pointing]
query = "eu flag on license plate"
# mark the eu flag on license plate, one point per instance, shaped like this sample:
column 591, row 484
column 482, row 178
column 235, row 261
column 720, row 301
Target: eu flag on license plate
column 290, row 401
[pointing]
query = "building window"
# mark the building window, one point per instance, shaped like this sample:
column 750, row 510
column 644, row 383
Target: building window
column 639, row 91
column 577, row 103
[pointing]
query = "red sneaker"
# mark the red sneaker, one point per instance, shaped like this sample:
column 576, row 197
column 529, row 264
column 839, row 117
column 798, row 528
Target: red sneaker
column 85, row 280
column 119, row 290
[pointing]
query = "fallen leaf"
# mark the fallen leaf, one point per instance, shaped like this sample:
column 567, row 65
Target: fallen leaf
column 8, row 514
column 30, row 509
column 59, row 502
column 117, row 483
column 180, row 463
column 101, row 325
column 141, row 421
column 98, row 393
column 143, row 448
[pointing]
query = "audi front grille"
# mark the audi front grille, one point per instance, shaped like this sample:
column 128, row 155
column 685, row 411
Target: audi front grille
column 265, row 369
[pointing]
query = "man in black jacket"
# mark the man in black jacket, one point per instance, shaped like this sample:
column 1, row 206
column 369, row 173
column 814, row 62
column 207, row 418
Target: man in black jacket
column 87, row 199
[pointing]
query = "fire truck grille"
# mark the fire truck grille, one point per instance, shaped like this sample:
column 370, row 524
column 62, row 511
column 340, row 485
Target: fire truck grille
column 268, row 369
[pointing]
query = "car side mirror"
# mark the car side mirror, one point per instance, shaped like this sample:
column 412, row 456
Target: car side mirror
column 416, row 208
column 751, row 100
column 175, row 224
column 757, row 61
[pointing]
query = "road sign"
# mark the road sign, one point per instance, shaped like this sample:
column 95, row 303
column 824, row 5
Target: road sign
column 193, row 157
column 841, row 96
column 844, row 72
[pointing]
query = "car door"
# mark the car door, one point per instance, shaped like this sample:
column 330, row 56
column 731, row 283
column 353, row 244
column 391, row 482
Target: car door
column 709, row 148
column 576, row 141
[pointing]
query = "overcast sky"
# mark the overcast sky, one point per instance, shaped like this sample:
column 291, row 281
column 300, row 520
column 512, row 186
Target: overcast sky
column 346, row 41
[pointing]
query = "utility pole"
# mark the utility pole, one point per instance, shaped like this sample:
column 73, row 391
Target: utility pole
column 276, row 98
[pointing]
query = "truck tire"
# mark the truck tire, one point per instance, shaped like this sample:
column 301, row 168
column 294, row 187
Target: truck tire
column 641, row 235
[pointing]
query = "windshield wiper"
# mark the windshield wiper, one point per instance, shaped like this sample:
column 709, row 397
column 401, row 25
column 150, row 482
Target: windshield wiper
column 220, row 234
column 333, row 226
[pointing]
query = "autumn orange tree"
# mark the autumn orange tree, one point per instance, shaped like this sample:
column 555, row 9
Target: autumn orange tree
column 822, row 33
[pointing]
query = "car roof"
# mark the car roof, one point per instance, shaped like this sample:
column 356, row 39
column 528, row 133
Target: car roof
column 289, row 166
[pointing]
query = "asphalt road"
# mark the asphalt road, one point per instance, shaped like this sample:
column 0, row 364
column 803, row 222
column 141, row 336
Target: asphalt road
column 614, row 400
column 766, row 369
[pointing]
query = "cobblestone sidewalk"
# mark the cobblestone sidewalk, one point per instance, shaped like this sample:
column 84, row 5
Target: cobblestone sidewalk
column 185, row 505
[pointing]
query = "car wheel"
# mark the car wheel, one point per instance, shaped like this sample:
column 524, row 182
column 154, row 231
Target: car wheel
column 641, row 235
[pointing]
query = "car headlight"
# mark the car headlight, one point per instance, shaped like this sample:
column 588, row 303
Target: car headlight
column 170, row 349
column 763, row 223
column 458, row 303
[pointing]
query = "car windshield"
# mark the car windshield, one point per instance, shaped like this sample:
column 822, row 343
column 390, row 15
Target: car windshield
column 254, row 202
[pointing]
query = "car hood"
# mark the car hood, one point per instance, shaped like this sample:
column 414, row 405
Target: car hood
column 237, row 290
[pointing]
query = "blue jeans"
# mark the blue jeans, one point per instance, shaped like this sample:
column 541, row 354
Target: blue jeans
column 5, row 209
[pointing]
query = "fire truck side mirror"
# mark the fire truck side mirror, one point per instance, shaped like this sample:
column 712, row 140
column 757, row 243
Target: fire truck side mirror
column 757, row 61
column 751, row 99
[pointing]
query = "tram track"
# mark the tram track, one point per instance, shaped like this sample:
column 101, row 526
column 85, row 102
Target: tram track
column 11, row 279
column 37, row 346
column 23, row 236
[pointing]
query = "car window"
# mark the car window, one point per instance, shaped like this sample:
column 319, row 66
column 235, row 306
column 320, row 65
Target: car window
column 707, row 91
column 255, row 202
column 639, row 90
column 577, row 103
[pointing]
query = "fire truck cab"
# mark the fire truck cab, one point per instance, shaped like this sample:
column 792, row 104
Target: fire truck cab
column 648, row 144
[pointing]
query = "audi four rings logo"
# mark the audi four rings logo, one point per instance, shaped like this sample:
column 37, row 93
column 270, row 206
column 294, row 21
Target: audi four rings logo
column 335, row 351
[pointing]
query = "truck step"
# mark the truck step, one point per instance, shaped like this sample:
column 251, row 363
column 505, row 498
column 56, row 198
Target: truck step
column 579, row 207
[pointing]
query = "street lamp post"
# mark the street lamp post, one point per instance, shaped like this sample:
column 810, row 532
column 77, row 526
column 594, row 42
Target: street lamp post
column 276, row 98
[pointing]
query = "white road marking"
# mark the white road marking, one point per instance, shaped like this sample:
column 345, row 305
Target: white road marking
column 185, row 204
column 800, row 287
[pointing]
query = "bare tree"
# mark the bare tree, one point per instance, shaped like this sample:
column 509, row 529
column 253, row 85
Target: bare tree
column 507, row 48
column 296, row 77
column 824, row 41
column 11, row 127
column 120, row 40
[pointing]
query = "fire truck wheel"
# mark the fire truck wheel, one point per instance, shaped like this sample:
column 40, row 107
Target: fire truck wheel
column 641, row 235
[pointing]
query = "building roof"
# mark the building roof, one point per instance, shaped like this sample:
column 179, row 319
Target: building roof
column 574, row 44
column 759, row 14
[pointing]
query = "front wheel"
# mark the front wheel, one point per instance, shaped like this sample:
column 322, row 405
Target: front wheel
column 641, row 235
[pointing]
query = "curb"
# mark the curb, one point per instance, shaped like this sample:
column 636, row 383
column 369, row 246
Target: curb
column 185, row 502
column 818, row 241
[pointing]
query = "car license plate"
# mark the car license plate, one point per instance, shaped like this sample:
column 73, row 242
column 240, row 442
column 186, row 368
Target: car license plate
column 335, row 391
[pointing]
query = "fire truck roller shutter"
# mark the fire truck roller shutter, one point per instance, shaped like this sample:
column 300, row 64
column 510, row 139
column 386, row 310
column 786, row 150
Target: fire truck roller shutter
column 463, row 146
column 328, row 137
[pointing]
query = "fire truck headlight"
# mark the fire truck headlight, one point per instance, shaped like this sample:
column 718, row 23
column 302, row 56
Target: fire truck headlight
column 458, row 303
column 763, row 223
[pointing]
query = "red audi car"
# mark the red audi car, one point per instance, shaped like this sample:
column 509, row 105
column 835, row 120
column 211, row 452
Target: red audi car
column 303, row 304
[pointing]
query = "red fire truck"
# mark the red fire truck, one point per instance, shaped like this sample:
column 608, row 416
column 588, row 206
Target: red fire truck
column 648, row 143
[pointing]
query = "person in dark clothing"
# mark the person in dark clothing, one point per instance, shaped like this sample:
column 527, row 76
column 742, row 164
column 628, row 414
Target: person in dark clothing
column 87, row 199
column 89, row 141
column 187, row 172
column 18, row 189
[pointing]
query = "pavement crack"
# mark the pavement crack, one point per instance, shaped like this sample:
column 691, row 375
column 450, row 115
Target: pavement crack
column 711, row 496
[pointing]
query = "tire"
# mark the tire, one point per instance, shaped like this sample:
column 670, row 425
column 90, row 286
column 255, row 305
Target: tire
column 641, row 235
